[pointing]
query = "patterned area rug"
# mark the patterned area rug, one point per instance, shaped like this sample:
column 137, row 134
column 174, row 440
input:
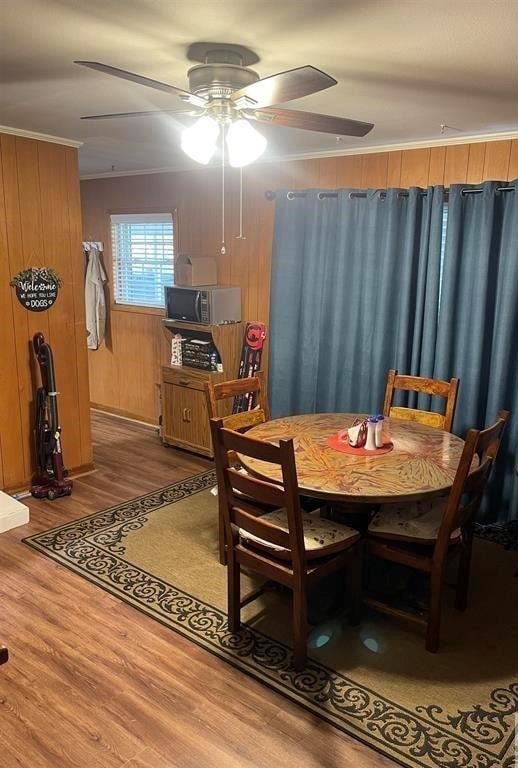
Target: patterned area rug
column 454, row 709
column 505, row 534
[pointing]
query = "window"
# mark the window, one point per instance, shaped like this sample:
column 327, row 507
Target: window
column 143, row 257
column 443, row 249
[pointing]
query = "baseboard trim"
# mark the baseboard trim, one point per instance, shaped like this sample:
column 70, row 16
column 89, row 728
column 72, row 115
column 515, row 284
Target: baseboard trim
column 121, row 414
column 82, row 469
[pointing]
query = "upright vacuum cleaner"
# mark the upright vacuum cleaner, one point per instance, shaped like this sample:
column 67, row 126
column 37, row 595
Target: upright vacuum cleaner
column 50, row 481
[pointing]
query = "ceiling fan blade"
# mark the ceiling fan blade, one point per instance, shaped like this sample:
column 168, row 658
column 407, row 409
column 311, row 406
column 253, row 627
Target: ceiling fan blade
column 141, row 80
column 194, row 112
column 310, row 121
column 284, row 86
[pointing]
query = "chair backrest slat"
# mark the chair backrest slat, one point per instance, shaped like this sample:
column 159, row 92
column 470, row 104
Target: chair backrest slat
column 431, row 419
column 244, row 419
column 489, row 439
column 433, row 387
column 422, row 384
column 262, row 491
column 261, row 528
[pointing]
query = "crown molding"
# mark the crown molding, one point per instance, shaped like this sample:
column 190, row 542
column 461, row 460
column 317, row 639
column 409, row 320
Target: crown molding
column 143, row 172
column 477, row 138
column 39, row 136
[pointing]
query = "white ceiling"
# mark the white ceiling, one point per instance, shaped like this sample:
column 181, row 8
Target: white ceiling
column 406, row 65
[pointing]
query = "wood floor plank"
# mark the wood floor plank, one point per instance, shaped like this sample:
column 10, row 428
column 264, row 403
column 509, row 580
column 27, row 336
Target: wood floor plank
column 93, row 683
column 150, row 758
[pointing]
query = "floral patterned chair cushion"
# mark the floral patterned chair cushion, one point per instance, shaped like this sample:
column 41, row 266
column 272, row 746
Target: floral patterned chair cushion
column 321, row 537
column 417, row 521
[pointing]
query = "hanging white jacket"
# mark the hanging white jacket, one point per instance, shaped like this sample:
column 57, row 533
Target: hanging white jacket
column 95, row 302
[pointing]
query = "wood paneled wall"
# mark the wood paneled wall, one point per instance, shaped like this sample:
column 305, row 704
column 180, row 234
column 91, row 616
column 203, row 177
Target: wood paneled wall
column 124, row 375
column 40, row 225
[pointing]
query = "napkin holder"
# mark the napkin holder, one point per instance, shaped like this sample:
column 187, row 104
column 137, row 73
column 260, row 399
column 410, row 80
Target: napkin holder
column 357, row 434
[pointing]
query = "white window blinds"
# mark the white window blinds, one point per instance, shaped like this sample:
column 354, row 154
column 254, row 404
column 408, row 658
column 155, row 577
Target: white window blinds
column 143, row 257
column 443, row 249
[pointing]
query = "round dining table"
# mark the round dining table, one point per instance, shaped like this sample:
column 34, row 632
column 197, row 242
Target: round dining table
column 422, row 463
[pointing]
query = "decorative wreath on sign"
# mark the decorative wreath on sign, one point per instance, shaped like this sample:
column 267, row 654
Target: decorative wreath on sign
column 36, row 275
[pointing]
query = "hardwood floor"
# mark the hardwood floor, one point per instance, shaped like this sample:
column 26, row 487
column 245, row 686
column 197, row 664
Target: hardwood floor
column 93, row 683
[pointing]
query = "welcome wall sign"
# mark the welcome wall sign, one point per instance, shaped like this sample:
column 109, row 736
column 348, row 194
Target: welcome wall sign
column 36, row 288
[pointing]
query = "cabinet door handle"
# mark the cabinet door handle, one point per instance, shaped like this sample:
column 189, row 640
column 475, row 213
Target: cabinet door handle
column 189, row 414
column 184, row 414
column 183, row 382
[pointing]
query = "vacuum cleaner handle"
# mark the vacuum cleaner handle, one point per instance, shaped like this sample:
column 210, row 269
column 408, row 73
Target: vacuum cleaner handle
column 51, row 481
column 46, row 362
column 37, row 340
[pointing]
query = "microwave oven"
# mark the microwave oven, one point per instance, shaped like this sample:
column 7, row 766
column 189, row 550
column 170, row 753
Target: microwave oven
column 206, row 304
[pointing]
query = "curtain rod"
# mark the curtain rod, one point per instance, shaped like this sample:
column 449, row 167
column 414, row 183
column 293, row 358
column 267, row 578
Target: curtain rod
column 271, row 195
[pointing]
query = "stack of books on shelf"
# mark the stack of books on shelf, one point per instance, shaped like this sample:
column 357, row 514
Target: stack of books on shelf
column 198, row 353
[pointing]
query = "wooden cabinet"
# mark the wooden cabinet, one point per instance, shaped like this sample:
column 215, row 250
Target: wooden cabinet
column 185, row 422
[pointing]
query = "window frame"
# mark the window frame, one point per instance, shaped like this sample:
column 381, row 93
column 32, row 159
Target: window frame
column 139, row 309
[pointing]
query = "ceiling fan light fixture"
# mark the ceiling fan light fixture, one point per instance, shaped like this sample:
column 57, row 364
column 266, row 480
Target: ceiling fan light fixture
column 199, row 140
column 244, row 143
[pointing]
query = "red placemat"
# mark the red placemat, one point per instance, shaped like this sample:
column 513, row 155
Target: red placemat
column 343, row 446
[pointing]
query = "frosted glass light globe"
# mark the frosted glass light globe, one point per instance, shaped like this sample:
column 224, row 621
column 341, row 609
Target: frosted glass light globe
column 244, row 143
column 199, row 140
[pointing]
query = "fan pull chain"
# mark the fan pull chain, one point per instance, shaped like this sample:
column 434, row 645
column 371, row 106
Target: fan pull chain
column 241, row 236
column 223, row 247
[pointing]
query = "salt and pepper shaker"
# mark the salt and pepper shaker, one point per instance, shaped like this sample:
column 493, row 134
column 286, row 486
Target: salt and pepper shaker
column 379, row 430
column 370, row 444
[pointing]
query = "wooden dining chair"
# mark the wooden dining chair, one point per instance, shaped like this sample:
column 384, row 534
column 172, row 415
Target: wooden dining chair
column 423, row 535
column 446, row 389
column 286, row 546
column 216, row 395
column 227, row 390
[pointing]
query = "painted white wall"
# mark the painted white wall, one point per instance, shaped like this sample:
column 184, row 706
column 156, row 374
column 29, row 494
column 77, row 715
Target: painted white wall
column 12, row 513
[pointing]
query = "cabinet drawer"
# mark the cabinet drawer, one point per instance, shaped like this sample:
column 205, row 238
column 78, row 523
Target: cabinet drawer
column 182, row 378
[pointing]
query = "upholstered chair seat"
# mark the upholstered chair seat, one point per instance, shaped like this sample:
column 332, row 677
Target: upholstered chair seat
column 416, row 522
column 322, row 537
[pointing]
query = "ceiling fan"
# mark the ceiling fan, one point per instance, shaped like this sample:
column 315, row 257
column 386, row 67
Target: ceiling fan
column 225, row 94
